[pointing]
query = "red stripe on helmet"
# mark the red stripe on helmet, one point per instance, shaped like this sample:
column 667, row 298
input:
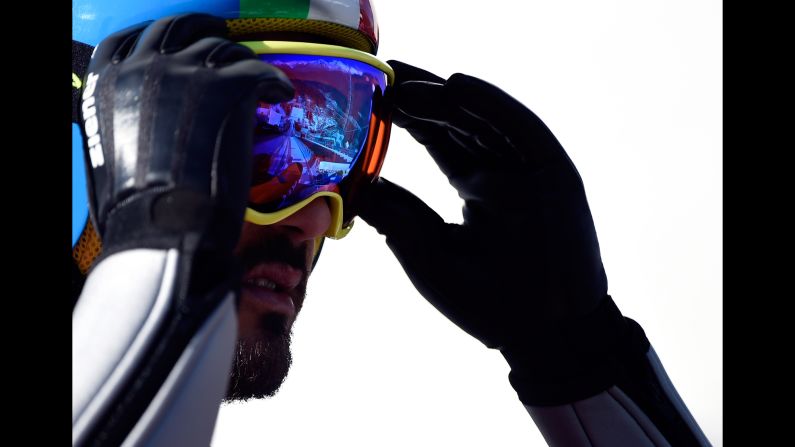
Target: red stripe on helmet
column 367, row 23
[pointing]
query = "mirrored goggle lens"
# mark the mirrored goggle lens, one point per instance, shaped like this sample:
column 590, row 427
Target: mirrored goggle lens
column 313, row 142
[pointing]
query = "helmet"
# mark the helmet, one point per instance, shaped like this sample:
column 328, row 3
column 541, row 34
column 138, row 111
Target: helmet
column 349, row 23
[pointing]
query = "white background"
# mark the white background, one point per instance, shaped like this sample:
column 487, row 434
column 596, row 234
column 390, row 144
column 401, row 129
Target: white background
column 633, row 91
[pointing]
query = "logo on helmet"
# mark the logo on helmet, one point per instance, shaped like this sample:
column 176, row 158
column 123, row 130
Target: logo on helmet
column 91, row 123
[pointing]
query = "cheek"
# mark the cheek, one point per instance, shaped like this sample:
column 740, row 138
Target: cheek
column 247, row 234
column 312, row 251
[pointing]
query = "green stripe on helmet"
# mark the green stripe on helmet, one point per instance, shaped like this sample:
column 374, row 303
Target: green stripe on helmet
column 290, row 9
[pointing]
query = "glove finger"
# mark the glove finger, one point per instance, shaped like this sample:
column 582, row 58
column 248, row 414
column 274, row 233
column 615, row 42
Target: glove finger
column 214, row 52
column 425, row 132
column 405, row 72
column 420, row 108
column 473, row 144
column 426, row 128
column 174, row 33
column 486, row 140
column 508, row 116
column 116, row 46
column 445, row 148
column 440, row 263
column 232, row 156
column 421, row 103
column 407, row 222
column 251, row 80
column 480, row 134
column 232, row 180
column 424, row 120
column 417, row 236
column 270, row 84
column 229, row 54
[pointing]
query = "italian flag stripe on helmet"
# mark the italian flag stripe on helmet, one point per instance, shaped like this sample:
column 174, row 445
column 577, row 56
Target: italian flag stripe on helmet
column 343, row 12
column 288, row 9
column 353, row 14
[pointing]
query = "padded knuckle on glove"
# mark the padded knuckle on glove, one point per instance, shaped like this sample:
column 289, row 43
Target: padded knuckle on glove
column 172, row 34
column 228, row 53
column 210, row 107
column 181, row 210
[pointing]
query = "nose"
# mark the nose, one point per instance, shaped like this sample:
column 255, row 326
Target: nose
column 306, row 224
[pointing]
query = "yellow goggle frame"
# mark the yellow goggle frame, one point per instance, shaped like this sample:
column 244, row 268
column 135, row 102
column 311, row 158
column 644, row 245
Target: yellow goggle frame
column 336, row 229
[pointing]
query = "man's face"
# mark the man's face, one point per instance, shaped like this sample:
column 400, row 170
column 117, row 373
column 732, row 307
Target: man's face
column 276, row 260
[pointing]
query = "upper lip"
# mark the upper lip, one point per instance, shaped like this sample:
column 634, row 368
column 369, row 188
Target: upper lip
column 284, row 276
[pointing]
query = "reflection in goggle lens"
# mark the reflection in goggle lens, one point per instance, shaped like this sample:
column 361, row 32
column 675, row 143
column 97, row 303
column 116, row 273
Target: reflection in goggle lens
column 312, row 142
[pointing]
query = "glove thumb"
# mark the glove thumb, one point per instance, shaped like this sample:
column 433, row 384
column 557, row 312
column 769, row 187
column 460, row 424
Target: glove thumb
column 406, row 221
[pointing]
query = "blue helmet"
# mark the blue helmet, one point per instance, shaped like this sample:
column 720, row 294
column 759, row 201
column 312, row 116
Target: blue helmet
column 348, row 23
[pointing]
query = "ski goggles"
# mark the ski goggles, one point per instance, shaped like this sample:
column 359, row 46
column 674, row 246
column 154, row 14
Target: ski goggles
column 327, row 141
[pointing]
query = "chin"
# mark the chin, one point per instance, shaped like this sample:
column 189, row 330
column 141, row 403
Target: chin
column 261, row 362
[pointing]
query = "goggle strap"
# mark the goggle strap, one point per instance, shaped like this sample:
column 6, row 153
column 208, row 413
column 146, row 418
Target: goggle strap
column 81, row 55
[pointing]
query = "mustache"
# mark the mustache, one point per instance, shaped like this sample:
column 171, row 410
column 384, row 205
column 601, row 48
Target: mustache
column 277, row 249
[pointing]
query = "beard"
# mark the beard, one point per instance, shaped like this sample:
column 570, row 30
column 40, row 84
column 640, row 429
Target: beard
column 261, row 362
column 262, row 357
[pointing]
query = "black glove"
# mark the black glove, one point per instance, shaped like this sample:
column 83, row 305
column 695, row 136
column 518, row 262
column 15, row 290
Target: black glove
column 523, row 273
column 168, row 112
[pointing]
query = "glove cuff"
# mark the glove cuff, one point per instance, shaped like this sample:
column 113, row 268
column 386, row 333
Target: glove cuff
column 577, row 359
